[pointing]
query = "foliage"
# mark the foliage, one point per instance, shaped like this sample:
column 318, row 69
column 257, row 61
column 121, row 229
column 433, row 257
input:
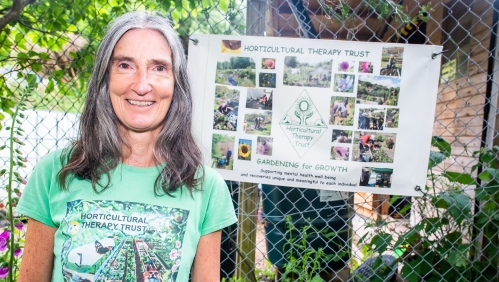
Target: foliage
column 56, row 40
column 12, row 237
column 438, row 247
column 304, row 262
column 346, row 12
column 380, row 156
column 267, row 274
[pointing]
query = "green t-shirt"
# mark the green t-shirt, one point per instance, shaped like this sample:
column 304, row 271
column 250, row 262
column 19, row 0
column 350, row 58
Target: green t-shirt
column 124, row 232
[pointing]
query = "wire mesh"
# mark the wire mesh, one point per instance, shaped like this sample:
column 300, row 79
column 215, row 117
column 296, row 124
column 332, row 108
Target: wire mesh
column 441, row 236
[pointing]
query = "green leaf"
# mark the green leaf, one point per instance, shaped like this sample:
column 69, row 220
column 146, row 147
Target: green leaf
column 442, row 145
column 317, row 278
column 435, row 159
column 463, row 178
column 50, row 86
column 458, row 255
column 58, row 74
column 485, row 176
column 458, row 205
column 4, row 54
column 223, row 6
column 432, row 225
column 22, row 55
column 36, row 67
column 166, row 4
column 192, row 4
column 114, row 3
column 381, row 241
column 411, row 269
column 487, row 156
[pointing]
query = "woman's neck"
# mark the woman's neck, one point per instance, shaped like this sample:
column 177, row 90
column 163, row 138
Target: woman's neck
column 139, row 151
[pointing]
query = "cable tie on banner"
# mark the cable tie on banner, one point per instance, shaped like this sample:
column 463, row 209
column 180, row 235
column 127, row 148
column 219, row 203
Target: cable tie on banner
column 435, row 54
column 194, row 40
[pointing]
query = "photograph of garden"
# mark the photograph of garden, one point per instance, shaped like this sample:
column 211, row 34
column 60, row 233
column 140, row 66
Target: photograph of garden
column 268, row 63
column 259, row 99
column 392, row 117
column 222, row 150
column 342, row 110
column 258, row 123
column 340, row 153
column 391, row 61
column 226, row 108
column 371, row 118
column 342, row 136
column 307, row 72
column 244, row 149
column 265, row 145
column 237, row 71
column 344, row 83
column 376, row 177
column 378, row 90
column 373, row 147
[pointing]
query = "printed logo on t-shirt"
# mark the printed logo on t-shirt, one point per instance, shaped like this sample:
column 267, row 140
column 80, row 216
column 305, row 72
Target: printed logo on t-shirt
column 122, row 241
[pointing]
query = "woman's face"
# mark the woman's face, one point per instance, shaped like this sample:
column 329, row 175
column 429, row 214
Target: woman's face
column 141, row 80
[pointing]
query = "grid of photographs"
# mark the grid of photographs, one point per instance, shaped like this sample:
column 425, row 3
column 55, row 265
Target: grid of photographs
column 363, row 109
column 244, row 91
column 364, row 114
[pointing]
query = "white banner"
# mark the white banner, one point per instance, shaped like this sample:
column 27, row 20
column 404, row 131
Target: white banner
column 323, row 114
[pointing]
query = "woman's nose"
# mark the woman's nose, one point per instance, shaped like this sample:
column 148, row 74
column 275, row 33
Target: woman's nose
column 141, row 84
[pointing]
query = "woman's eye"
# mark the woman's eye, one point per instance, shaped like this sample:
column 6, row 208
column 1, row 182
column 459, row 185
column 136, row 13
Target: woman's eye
column 124, row 66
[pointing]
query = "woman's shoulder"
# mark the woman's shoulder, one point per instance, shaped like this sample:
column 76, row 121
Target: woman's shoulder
column 210, row 174
column 52, row 161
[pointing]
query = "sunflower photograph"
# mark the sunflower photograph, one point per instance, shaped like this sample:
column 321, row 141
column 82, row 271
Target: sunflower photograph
column 244, row 150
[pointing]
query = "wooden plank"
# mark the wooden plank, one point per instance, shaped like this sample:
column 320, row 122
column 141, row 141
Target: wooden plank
column 476, row 81
column 459, row 164
column 462, row 122
column 464, row 91
column 463, row 151
column 476, row 101
column 459, row 132
column 246, row 233
column 458, row 113
column 466, row 141
column 483, row 7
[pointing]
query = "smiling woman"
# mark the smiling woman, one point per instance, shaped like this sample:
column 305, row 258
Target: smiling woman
column 129, row 200
column 141, row 80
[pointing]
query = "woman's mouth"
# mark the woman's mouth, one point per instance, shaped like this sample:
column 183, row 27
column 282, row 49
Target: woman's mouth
column 140, row 103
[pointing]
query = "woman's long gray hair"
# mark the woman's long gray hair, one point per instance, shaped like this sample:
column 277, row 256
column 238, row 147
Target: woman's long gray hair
column 98, row 150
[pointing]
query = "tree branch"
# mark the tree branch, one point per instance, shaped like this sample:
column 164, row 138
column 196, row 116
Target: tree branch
column 13, row 12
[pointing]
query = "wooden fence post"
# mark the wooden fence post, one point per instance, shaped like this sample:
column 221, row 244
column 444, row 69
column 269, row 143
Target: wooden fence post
column 248, row 192
column 246, row 233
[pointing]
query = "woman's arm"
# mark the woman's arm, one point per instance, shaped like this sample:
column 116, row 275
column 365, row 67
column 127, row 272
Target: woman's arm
column 206, row 265
column 38, row 256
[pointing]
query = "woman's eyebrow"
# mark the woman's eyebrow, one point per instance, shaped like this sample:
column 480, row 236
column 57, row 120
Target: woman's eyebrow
column 161, row 62
column 122, row 58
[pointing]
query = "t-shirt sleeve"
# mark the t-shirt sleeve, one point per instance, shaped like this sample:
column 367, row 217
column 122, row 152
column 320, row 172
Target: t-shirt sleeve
column 35, row 200
column 220, row 210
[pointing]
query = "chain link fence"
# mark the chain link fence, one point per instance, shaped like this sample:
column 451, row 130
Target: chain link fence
column 287, row 233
